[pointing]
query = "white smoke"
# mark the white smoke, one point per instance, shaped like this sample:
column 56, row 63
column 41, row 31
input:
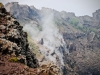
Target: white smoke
column 50, row 34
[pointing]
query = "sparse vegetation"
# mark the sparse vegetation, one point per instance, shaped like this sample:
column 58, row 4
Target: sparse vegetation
column 73, row 21
column 13, row 59
column 34, row 46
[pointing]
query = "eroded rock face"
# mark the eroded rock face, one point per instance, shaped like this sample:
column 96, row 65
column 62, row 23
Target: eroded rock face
column 13, row 40
column 29, row 13
column 96, row 15
column 84, row 54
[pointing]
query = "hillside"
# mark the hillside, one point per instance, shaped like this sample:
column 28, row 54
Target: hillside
column 16, row 56
column 70, row 42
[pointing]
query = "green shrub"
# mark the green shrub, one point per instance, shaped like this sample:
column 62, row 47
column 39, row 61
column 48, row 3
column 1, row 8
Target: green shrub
column 74, row 21
column 13, row 59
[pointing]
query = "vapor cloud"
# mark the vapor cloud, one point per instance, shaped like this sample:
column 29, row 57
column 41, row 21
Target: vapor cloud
column 50, row 34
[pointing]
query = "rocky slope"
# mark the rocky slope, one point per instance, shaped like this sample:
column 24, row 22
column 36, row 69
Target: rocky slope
column 70, row 42
column 14, row 40
column 14, row 47
column 16, row 56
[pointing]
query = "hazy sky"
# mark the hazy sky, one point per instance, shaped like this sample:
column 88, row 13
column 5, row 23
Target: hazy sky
column 79, row 7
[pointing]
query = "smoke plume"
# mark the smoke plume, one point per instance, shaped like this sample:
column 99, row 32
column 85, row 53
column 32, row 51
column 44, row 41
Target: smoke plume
column 52, row 39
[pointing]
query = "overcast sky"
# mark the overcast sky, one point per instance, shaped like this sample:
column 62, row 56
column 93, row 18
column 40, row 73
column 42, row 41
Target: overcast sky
column 79, row 7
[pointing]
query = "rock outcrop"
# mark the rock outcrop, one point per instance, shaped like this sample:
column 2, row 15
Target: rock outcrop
column 31, row 11
column 13, row 40
column 49, row 69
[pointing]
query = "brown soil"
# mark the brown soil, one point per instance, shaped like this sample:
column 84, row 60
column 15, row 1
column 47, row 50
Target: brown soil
column 14, row 68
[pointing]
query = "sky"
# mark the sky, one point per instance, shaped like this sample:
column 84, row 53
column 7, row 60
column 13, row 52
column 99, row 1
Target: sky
column 79, row 7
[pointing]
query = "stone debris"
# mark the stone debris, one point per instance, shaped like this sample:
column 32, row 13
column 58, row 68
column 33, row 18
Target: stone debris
column 49, row 69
